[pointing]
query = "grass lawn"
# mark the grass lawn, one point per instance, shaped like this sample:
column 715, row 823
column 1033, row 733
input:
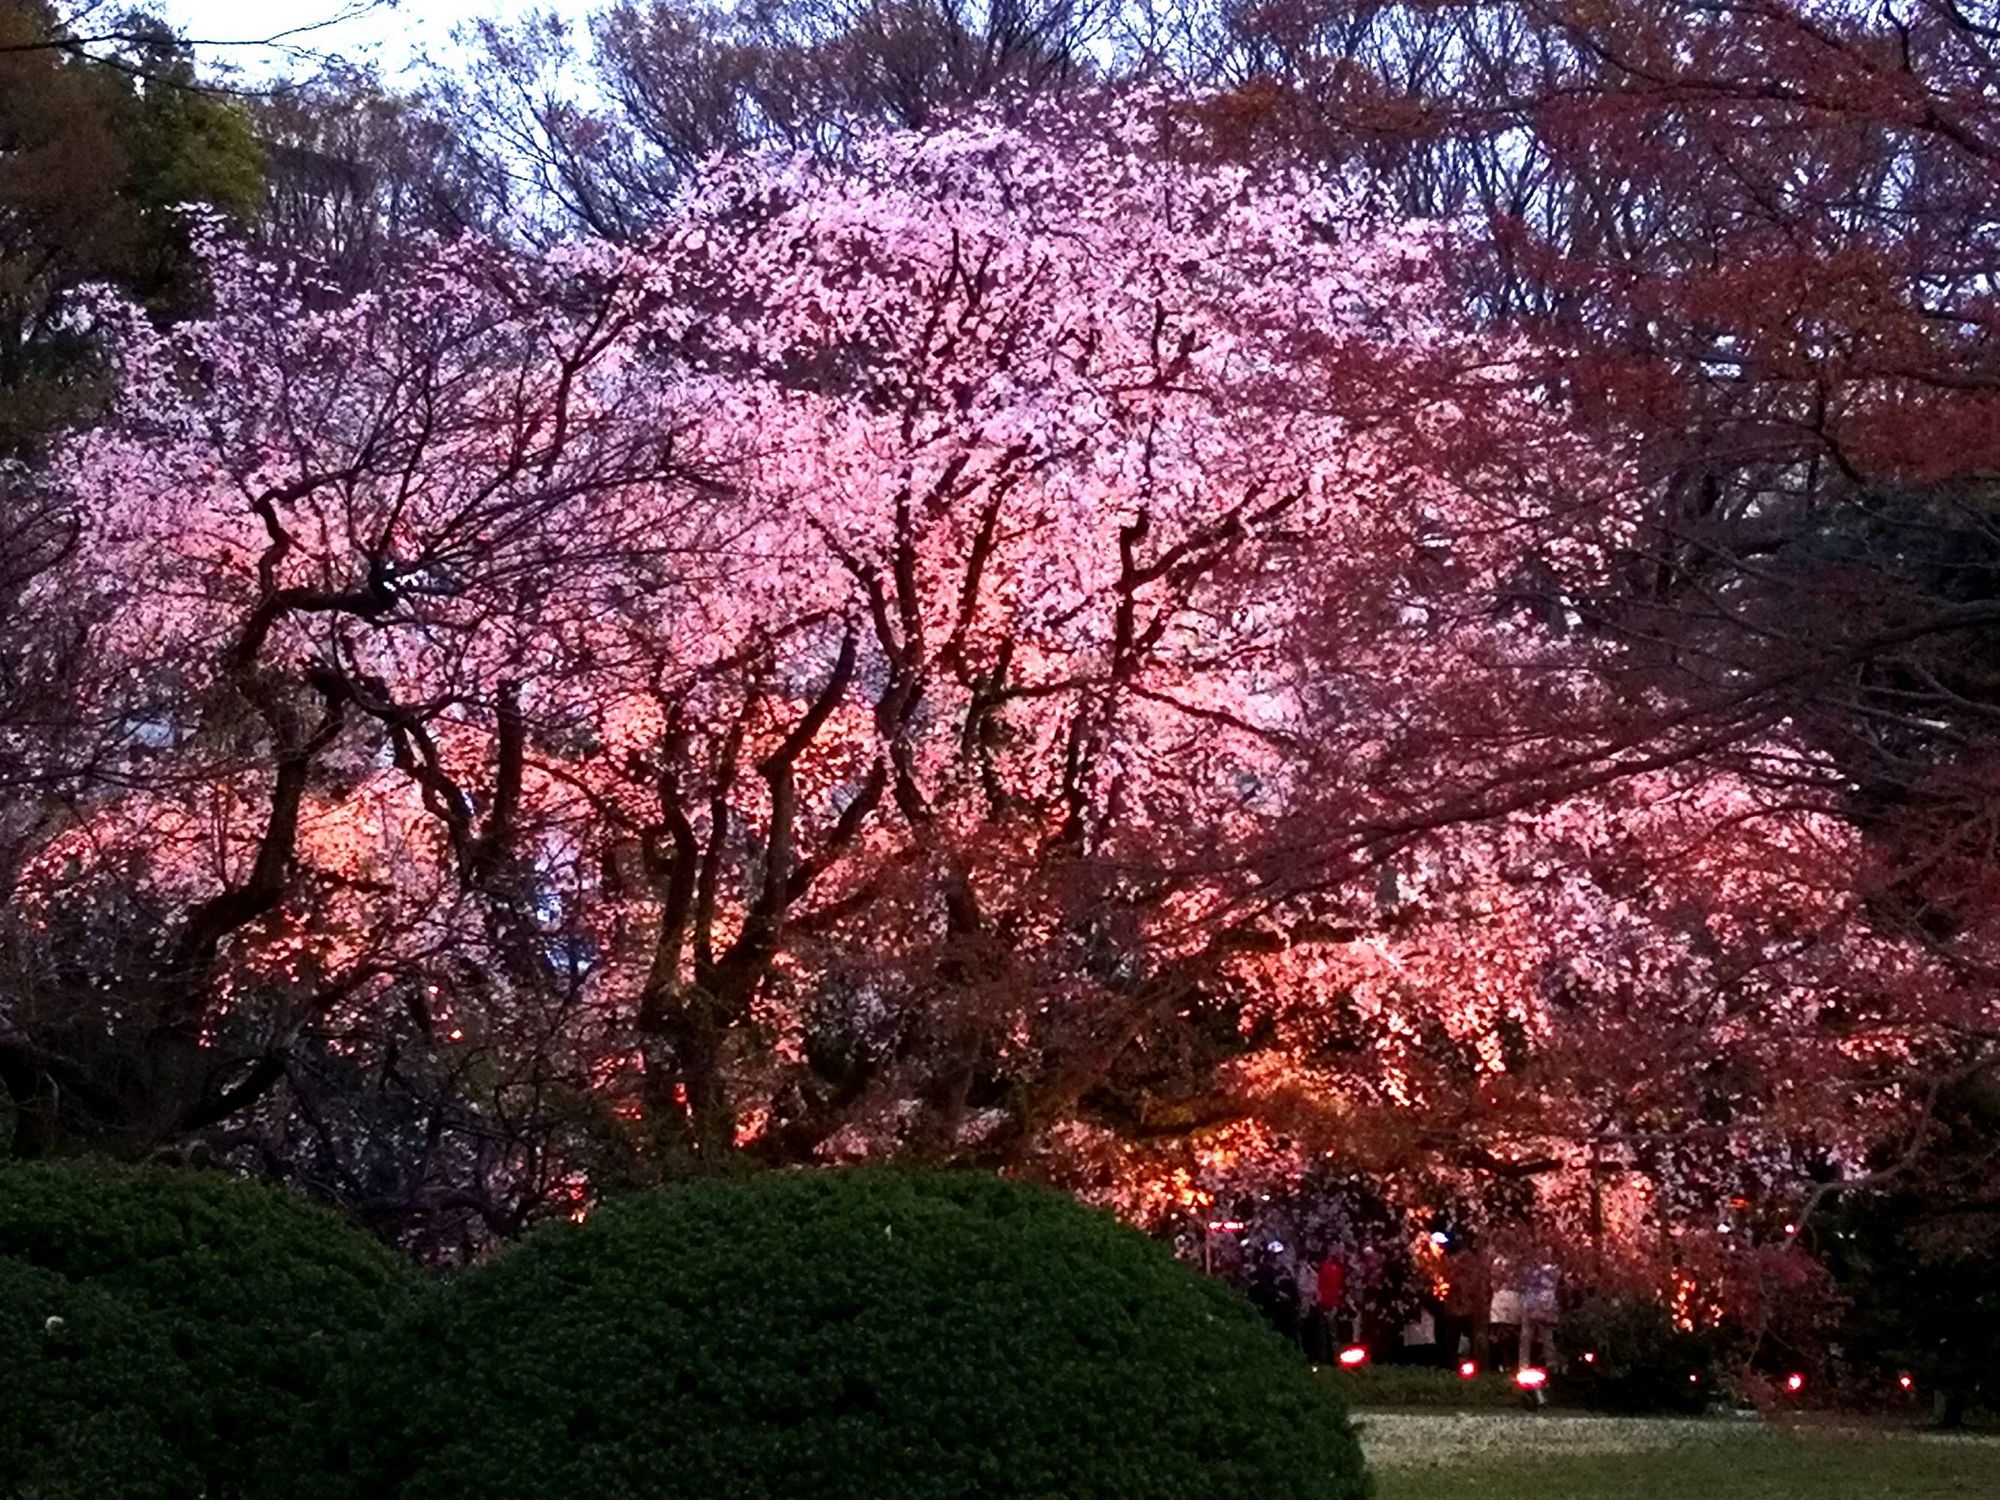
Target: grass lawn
column 1507, row 1456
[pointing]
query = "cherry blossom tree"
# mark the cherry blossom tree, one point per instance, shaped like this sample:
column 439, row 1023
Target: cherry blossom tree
column 1756, row 238
column 325, row 530
column 1037, row 643
column 971, row 642
column 1085, row 442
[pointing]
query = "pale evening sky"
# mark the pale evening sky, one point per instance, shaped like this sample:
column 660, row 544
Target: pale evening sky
column 393, row 36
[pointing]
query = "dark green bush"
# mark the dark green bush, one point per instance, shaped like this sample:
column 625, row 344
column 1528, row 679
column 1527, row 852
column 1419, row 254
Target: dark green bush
column 860, row 1335
column 199, row 1318
column 1640, row 1361
column 93, row 1394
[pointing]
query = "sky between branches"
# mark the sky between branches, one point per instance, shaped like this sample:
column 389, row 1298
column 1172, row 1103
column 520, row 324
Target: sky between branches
column 394, row 35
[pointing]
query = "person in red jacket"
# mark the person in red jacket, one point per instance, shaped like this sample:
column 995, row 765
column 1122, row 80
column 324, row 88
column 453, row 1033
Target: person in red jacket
column 1332, row 1298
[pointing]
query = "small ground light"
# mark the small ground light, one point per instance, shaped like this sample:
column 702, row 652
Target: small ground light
column 1906, row 1382
column 1226, row 1226
column 1353, row 1355
column 1439, row 1238
column 1694, row 1379
column 1590, row 1358
column 1791, row 1229
column 1529, row 1378
column 1467, row 1368
column 1795, row 1383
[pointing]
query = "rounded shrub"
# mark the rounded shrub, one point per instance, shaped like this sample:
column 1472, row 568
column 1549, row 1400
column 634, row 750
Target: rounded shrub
column 94, row 1394
column 168, row 1333
column 847, row 1335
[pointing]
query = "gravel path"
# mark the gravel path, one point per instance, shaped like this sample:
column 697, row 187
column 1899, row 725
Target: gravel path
column 1400, row 1439
column 1406, row 1439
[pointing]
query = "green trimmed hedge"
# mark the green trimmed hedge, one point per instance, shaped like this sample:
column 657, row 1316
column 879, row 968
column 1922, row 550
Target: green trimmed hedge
column 167, row 1333
column 855, row 1335
column 1422, row 1386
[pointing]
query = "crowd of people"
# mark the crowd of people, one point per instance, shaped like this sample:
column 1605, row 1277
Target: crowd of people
column 1380, row 1302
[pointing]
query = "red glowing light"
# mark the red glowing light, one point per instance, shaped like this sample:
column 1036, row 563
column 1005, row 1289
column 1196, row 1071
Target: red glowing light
column 1529, row 1378
column 1694, row 1380
column 1906, row 1382
column 1791, row 1229
column 1795, row 1383
column 1467, row 1369
column 1353, row 1355
column 1590, row 1359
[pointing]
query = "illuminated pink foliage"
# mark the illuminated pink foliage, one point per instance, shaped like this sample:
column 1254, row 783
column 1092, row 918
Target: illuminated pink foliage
column 879, row 665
